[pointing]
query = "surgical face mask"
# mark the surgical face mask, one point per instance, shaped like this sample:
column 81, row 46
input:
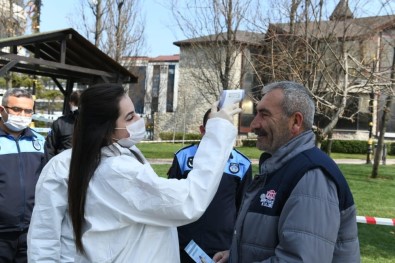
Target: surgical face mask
column 17, row 123
column 74, row 108
column 136, row 134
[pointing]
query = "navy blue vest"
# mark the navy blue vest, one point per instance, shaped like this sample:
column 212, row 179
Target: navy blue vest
column 277, row 186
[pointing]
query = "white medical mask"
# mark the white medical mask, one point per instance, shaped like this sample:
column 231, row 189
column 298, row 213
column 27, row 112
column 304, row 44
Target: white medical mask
column 17, row 123
column 136, row 134
column 74, row 108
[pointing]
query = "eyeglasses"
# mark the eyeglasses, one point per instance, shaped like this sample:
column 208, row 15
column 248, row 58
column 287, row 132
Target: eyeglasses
column 19, row 110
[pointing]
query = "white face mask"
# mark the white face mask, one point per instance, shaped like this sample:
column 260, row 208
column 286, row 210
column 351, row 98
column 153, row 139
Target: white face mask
column 17, row 123
column 136, row 134
column 74, row 108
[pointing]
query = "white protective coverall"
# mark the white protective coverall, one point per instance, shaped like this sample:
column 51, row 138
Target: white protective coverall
column 131, row 213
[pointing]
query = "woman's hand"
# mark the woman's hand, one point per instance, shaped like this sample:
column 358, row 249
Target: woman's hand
column 221, row 257
column 227, row 112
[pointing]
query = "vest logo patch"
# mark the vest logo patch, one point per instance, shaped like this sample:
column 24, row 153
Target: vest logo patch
column 36, row 145
column 234, row 168
column 190, row 162
column 268, row 199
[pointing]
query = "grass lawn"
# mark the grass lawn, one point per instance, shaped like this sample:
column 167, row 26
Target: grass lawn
column 373, row 197
column 167, row 150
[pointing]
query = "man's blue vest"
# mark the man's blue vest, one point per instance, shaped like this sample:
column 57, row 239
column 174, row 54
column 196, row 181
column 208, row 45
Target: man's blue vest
column 279, row 184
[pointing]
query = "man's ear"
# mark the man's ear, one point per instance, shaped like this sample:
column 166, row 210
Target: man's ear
column 202, row 130
column 297, row 123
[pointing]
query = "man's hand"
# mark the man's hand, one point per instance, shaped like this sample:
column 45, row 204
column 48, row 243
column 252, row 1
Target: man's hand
column 221, row 257
column 227, row 112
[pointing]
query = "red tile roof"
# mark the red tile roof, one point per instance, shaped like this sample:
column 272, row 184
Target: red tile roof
column 351, row 28
column 166, row 58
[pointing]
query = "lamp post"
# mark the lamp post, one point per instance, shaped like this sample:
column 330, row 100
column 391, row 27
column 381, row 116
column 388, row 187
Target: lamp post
column 370, row 143
column 370, row 139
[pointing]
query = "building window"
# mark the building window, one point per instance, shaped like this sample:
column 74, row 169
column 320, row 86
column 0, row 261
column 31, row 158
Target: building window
column 155, row 88
column 355, row 118
column 137, row 90
column 170, row 88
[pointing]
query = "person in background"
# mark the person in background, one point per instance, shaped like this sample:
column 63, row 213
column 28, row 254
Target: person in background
column 213, row 231
column 61, row 134
column 300, row 207
column 119, row 208
column 21, row 160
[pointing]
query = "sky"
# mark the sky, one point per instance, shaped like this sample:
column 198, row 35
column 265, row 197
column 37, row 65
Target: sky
column 159, row 33
column 55, row 15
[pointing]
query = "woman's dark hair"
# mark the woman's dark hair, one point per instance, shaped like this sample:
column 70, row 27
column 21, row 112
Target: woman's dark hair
column 75, row 97
column 98, row 112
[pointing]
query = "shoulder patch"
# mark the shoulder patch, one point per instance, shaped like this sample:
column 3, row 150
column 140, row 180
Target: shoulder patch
column 234, row 168
column 190, row 162
column 36, row 145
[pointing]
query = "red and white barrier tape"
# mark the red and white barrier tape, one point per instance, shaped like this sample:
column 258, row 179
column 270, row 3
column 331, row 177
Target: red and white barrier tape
column 376, row 220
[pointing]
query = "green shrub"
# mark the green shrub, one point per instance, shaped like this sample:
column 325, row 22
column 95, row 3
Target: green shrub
column 249, row 142
column 339, row 146
column 40, row 124
column 391, row 148
column 346, row 146
column 179, row 136
column 354, row 146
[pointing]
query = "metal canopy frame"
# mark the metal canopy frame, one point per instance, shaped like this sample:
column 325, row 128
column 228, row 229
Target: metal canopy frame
column 62, row 54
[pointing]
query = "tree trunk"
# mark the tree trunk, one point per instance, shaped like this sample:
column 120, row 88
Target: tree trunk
column 36, row 17
column 98, row 22
column 319, row 137
column 330, row 141
column 384, row 120
column 379, row 150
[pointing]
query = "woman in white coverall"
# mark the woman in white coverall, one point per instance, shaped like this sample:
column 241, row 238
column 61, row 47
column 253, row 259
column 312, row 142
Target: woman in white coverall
column 104, row 193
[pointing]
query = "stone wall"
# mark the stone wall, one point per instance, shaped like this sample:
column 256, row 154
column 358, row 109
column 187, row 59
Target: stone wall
column 194, row 96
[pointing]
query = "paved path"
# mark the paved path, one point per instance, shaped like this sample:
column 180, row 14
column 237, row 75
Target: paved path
column 255, row 161
column 362, row 161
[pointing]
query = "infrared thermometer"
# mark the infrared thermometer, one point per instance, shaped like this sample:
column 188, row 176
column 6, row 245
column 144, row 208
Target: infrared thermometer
column 231, row 97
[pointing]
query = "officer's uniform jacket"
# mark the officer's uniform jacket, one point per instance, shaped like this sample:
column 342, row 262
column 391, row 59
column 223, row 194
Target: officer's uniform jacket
column 213, row 231
column 21, row 162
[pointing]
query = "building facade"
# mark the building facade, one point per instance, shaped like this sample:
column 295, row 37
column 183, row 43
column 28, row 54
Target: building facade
column 356, row 57
column 175, row 91
column 211, row 64
column 155, row 93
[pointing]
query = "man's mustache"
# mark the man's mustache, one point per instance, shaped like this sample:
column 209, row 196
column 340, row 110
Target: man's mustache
column 260, row 132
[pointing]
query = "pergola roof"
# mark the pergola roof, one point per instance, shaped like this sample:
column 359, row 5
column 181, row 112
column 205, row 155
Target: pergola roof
column 61, row 54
